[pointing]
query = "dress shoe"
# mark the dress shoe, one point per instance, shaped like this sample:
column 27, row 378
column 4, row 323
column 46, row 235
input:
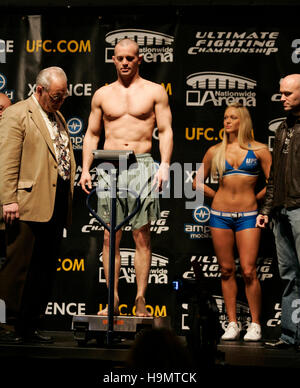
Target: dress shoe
column 38, row 337
column 10, row 337
column 278, row 344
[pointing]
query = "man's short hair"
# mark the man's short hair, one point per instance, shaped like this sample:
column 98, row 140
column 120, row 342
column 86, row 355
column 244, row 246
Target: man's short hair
column 127, row 42
column 47, row 75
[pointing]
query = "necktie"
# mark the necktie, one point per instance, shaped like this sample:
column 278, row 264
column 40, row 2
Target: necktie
column 62, row 153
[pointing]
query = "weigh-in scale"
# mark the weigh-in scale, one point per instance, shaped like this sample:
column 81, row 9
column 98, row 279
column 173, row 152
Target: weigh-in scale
column 106, row 329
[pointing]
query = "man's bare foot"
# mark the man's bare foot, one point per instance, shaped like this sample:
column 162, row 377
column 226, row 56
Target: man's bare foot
column 104, row 312
column 141, row 310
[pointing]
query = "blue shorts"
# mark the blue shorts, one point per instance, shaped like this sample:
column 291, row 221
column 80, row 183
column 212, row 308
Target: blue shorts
column 236, row 220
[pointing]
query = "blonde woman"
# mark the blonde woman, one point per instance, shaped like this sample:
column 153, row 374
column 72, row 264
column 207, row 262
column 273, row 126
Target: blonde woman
column 236, row 161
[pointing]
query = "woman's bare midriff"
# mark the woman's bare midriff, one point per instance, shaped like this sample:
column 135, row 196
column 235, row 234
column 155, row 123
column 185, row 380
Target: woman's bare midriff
column 236, row 194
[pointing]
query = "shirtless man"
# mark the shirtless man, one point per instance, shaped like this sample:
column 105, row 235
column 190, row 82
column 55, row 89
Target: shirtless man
column 129, row 109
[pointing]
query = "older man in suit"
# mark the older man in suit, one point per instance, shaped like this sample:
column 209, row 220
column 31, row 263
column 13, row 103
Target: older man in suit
column 37, row 170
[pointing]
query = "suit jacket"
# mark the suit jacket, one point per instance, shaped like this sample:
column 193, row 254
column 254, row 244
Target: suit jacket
column 28, row 164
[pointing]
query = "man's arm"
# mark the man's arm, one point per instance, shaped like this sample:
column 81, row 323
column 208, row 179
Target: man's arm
column 164, row 123
column 90, row 142
column 265, row 158
column 264, row 212
column 11, row 143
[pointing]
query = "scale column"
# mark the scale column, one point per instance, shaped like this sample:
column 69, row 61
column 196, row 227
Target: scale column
column 112, row 254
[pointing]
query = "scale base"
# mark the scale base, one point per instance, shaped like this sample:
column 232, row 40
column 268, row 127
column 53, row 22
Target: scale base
column 87, row 327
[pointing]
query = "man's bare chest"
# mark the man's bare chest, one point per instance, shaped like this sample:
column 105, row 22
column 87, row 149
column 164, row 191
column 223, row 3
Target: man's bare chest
column 138, row 105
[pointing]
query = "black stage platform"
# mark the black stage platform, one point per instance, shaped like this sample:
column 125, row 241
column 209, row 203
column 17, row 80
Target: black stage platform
column 64, row 363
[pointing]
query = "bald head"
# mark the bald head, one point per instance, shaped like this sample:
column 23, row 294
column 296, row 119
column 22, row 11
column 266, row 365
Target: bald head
column 127, row 42
column 291, row 79
column 4, row 103
column 290, row 93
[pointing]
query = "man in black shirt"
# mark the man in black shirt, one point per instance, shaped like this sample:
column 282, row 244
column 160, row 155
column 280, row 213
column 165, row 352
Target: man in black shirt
column 282, row 200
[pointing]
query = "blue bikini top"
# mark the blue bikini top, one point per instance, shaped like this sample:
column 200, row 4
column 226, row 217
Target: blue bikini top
column 249, row 166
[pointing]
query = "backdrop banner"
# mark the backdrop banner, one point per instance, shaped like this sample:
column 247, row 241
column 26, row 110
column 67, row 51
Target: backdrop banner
column 203, row 67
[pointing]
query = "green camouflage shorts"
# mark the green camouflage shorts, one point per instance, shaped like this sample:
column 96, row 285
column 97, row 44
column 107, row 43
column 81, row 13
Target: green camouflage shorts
column 137, row 178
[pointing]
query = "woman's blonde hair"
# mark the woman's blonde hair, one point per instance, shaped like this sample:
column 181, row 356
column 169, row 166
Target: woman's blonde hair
column 245, row 140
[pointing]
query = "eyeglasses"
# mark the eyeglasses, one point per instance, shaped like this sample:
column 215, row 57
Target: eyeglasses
column 57, row 97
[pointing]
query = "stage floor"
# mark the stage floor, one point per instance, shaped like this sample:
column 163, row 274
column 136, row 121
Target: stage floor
column 64, row 361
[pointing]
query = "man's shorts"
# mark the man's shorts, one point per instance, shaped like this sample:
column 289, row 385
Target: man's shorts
column 236, row 220
column 137, row 178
